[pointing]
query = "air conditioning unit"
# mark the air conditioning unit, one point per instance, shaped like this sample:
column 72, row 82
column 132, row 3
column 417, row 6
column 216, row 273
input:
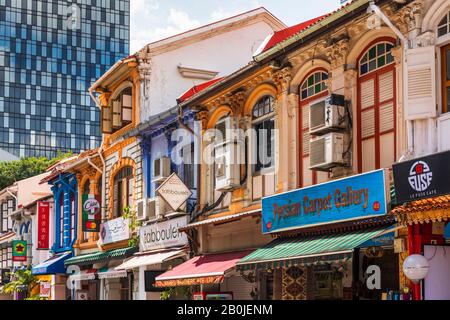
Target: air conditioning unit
column 161, row 169
column 156, row 208
column 327, row 151
column 228, row 159
column 327, row 115
column 141, row 208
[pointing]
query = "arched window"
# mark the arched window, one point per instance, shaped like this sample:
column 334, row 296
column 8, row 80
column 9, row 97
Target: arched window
column 313, row 85
column 376, row 108
column 378, row 56
column 123, row 191
column 119, row 112
column 313, row 88
column 444, row 26
column 264, row 125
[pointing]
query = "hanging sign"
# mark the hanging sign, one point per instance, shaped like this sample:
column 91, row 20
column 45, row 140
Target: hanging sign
column 422, row 178
column 174, row 192
column 92, row 213
column 45, row 289
column 163, row 234
column 19, row 251
column 114, row 231
column 43, row 209
column 352, row 198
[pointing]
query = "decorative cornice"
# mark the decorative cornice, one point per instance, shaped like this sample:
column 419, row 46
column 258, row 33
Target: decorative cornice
column 338, row 50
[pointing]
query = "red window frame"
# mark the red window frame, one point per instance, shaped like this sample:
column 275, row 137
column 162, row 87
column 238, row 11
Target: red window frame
column 301, row 131
column 361, row 79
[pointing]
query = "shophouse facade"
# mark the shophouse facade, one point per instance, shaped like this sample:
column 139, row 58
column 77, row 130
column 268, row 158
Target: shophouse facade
column 424, row 206
column 115, row 175
column 349, row 60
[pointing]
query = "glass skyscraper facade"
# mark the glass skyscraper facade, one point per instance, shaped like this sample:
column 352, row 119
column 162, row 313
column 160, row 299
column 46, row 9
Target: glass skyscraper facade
column 50, row 53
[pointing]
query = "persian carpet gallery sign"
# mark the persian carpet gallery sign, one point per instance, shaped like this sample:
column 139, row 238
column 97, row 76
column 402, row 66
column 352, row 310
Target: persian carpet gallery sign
column 163, row 234
column 422, row 178
column 92, row 213
column 19, row 251
column 114, row 231
column 43, row 225
column 336, row 201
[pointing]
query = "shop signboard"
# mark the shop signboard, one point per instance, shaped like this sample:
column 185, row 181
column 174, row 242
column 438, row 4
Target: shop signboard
column 43, row 209
column 114, row 231
column 174, row 192
column 92, row 213
column 422, row 178
column 19, row 251
column 45, row 289
column 351, row 198
column 163, row 234
column 6, row 276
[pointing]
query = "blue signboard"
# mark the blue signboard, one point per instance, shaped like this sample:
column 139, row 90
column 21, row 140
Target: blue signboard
column 336, row 201
column 381, row 241
column 447, row 231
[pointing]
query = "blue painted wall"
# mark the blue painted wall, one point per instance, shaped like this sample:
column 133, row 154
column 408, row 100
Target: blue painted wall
column 65, row 187
column 157, row 142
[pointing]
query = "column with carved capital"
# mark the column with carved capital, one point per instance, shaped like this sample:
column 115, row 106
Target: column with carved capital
column 205, row 169
column 293, row 135
column 282, row 79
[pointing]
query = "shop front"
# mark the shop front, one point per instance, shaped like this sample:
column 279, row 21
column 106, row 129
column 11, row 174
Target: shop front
column 52, row 277
column 162, row 247
column 332, row 241
column 93, row 276
column 209, row 276
column 422, row 187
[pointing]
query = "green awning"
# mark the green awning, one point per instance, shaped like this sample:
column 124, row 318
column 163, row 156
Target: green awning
column 307, row 250
column 98, row 257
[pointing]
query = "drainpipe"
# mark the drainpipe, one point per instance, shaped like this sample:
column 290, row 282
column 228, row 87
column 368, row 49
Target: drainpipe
column 373, row 8
column 97, row 103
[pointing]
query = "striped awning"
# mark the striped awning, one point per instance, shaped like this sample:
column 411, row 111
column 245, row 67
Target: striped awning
column 98, row 257
column 308, row 250
column 84, row 275
column 111, row 273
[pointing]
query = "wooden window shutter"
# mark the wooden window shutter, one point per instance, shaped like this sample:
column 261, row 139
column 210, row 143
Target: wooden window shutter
column 420, row 83
column 116, row 199
column 127, row 114
column 117, row 114
column 106, row 119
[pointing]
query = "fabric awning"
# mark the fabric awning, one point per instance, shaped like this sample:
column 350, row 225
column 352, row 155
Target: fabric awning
column 308, row 250
column 150, row 259
column 220, row 220
column 206, row 269
column 84, row 275
column 110, row 273
column 54, row 265
column 98, row 257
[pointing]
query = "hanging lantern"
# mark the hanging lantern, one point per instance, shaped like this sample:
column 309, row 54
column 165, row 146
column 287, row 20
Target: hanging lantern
column 416, row 267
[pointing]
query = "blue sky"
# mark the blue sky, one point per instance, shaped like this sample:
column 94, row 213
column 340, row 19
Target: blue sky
column 152, row 20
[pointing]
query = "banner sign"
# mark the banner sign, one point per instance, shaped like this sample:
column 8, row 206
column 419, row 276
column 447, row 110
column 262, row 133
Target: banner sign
column 350, row 198
column 19, row 251
column 92, row 213
column 114, row 231
column 422, row 178
column 43, row 209
column 163, row 235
